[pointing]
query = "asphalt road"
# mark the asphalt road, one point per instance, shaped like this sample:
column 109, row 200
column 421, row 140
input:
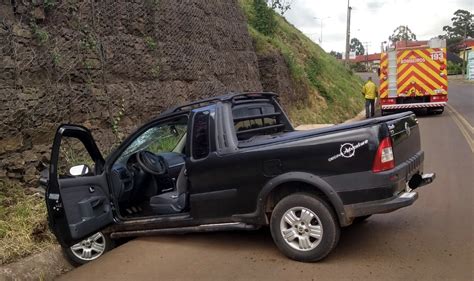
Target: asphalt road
column 431, row 240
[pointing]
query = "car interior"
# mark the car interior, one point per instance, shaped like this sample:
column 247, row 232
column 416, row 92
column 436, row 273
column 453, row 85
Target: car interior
column 149, row 178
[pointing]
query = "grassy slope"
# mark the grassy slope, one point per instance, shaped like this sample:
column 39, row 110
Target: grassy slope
column 333, row 91
column 23, row 226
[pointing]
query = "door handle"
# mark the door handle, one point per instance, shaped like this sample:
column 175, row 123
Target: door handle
column 96, row 202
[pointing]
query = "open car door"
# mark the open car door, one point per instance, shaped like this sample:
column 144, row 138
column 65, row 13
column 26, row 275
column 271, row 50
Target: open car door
column 78, row 201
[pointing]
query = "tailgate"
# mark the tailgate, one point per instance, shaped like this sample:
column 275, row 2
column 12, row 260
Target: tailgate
column 405, row 135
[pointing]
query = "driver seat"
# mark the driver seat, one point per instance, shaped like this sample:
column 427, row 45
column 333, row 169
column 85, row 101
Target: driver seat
column 174, row 201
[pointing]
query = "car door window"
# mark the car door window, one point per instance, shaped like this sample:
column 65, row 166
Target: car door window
column 72, row 155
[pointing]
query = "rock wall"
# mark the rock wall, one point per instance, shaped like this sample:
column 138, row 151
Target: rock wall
column 110, row 65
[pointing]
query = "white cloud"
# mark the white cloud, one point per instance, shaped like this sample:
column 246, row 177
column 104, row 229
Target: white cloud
column 372, row 21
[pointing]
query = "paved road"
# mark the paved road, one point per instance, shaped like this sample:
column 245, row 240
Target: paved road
column 431, row 240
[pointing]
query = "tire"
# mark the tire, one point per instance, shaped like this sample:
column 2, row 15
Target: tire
column 77, row 254
column 310, row 218
column 436, row 110
column 360, row 219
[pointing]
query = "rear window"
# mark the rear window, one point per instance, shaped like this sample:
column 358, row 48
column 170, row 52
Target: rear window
column 256, row 119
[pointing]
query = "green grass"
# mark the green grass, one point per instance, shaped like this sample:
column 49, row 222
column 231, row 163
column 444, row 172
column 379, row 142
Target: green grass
column 331, row 92
column 23, row 224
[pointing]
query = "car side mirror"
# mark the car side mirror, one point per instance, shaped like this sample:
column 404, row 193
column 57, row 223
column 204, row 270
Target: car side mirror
column 79, row 170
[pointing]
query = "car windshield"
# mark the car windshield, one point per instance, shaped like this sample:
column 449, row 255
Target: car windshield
column 163, row 137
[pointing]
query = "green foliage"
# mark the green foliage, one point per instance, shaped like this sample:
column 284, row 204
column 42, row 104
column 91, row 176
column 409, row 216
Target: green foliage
column 150, row 43
column 155, row 71
column 314, row 69
column 56, row 58
column 280, row 5
column 358, row 67
column 49, row 4
column 116, row 119
column 357, row 47
column 264, row 20
column 462, row 25
column 154, row 3
column 23, row 226
column 454, row 68
column 40, row 35
column 331, row 90
column 337, row 55
column 88, row 42
column 402, row 33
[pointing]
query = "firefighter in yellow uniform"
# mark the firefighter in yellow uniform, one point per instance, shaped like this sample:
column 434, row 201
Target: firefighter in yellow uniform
column 370, row 92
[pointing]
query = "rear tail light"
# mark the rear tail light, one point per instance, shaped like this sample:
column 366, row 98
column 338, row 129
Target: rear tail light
column 384, row 157
column 439, row 98
column 388, row 101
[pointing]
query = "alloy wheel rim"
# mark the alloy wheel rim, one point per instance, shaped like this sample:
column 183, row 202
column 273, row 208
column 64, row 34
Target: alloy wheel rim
column 90, row 248
column 301, row 229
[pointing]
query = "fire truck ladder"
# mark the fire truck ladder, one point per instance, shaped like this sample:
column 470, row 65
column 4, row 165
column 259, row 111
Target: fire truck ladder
column 392, row 74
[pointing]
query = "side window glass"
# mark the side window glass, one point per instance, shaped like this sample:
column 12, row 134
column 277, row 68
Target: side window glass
column 74, row 159
column 200, row 143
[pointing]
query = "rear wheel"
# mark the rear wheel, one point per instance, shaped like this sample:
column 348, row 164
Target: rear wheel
column 304, row 227
column 88, row 249
column 436, row 110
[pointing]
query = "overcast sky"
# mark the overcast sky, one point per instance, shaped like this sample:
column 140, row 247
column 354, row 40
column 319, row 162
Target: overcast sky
column 372, row 21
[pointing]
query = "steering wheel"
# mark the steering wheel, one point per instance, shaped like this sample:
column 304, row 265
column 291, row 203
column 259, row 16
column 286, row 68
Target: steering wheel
column 152, row 163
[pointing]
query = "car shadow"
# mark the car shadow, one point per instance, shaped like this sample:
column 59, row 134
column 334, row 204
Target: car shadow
column 353, row 240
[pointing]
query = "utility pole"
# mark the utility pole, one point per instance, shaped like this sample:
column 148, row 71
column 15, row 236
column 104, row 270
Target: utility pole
column 322, row 21
column 464, row 49
column 382, row 46
column 348, row 32
column 367, row 44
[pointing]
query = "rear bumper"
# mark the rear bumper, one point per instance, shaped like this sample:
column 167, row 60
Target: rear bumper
column 404, row 199
column 396, row 202
column 413, row 105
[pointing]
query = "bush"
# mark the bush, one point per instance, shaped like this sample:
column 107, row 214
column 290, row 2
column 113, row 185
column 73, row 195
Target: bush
column 264, row 20
column 454, row 68
column 358, row 67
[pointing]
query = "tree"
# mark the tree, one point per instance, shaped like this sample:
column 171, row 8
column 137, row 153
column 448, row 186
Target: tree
column 280, row 5
column 357, row 47
column 462, row 25
column 335, row 54
column 402, row 33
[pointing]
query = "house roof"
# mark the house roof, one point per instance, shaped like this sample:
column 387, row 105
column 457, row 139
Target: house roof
column 364, row 58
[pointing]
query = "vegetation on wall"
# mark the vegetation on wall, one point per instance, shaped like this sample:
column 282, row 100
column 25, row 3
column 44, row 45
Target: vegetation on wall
column 332, row 90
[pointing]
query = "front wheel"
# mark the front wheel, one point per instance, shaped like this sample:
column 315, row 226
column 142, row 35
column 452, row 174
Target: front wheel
column 88, row 249
column 304, row 227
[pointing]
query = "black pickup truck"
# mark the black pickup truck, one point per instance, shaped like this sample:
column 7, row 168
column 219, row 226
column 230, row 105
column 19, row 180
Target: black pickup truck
column 234, row 163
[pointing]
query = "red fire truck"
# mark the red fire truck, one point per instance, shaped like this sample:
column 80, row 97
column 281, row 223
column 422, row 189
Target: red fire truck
column 413, row 75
